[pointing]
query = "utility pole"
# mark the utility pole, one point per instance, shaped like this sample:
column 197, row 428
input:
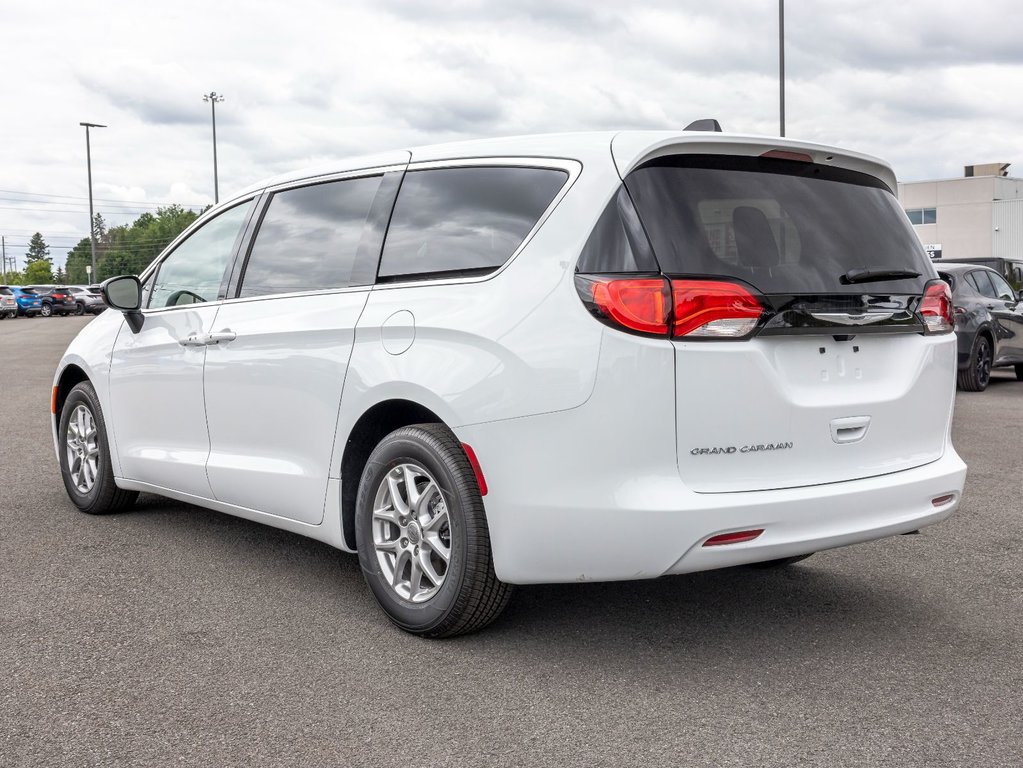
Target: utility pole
column 213, row 97
column 3, row 250
column 781, row 63
column 92, row 218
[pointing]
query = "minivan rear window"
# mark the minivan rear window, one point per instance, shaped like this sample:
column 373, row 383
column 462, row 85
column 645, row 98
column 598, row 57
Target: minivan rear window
column 783, row 226
column 467, row 221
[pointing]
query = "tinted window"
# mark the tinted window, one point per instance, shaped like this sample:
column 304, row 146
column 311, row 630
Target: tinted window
column 309, row 237
column 617, row 243
column 785, row 227
column 194, row 270
column 1002, row 289
column 6, row 292
column 464, row 219
column 979, row 280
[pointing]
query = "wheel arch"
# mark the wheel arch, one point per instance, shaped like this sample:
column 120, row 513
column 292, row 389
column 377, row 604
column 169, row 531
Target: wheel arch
column 372, row 426
column 69, row 378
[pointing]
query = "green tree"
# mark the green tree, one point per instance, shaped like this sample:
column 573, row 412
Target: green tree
column 59, row 277
column 38, row 272
column 129, row 248
column 77, row 258
column 38, row 250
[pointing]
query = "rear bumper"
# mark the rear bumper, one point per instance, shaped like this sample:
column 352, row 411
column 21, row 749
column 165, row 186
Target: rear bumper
column 660, row 528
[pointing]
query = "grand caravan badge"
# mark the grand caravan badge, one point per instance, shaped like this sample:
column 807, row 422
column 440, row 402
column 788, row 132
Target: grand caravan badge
column 758, row 448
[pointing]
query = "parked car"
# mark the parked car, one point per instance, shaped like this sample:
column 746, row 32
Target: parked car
column 29, row 302
column 537, row 359
column 56, row 300
column 989, row 323
column 8, row 304
column 1010, row 269
column 87, row 300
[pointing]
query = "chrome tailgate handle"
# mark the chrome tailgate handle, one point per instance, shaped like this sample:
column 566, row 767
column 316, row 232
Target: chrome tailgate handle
column 849, row 430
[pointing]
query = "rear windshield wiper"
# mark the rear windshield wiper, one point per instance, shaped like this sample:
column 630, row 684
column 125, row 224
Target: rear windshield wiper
column 876, row 275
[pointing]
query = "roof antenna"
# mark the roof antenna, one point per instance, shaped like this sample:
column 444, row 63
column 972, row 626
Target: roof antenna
column 707, row 124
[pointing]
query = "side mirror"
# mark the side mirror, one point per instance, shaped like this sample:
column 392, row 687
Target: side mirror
column 1019, row 294
column 125, row 294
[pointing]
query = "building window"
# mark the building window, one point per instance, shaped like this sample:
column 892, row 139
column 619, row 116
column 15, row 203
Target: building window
column 922, row 215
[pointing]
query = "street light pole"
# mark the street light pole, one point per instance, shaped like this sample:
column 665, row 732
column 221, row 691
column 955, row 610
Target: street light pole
column 781, row 63
column 92, row 219
column 213, row 97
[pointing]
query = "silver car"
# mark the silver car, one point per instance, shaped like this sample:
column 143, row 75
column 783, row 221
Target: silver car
column 8, row 304
column 87, row 300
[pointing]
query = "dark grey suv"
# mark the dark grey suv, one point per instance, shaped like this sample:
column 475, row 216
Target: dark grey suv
column 988, row 320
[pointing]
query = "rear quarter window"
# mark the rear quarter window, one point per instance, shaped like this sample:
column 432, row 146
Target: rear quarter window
column 464, row 221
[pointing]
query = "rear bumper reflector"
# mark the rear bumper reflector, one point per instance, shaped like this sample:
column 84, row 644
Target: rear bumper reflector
column 735, row 537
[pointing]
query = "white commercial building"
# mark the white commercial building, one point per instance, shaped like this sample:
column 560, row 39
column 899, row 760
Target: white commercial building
column 977, row 216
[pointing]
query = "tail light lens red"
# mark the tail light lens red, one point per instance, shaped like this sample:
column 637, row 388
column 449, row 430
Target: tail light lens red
column 637, row 304
column 936, row 308
column 707, row 309
column 713, row 309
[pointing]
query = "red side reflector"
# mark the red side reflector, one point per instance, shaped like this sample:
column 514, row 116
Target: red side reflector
column 736, row 537
column 476, row 468
column 53, row 401
column 783, row 154
column 943, row 500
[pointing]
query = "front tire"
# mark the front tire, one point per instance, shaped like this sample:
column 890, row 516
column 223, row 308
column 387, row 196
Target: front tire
column 79, row 308
column 977, row 375
column 46, row 310
column 1019, row 373
column 422, row 535
column 85, row 455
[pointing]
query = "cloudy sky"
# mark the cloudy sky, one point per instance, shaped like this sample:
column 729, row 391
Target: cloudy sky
column 930, row 85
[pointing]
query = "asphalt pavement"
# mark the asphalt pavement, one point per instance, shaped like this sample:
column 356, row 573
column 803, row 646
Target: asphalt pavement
column 175, row 636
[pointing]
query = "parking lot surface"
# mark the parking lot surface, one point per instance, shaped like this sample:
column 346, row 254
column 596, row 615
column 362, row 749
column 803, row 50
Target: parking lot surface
column 171, row 635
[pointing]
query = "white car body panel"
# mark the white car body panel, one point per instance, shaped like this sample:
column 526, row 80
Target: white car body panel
column 580, row 429
column 272, row 396
column 157, row 407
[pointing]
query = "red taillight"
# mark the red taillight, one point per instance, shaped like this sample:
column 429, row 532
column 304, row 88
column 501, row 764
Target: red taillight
column 639, row 304
column 936, row 308
column 735, row 537
column 711, row 309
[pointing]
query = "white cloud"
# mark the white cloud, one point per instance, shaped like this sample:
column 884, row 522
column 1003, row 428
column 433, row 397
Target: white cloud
column 930, row 86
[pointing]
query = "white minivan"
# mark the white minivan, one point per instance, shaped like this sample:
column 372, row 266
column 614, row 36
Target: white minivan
column 537, row 359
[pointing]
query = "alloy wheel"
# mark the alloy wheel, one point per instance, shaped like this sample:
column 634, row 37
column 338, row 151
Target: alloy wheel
column 983, row 362
column 82, row 446
column 411, row 532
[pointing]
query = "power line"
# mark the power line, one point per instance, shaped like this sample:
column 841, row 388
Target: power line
column 97, row 199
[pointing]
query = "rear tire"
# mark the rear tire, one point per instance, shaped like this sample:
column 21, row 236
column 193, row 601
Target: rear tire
column 425, row 552
column 976, row 376
column 782, row 562
column 1019, row 373
column 46, row 310
column 85, row 455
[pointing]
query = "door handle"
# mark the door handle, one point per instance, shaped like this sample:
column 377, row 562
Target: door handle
column 195, row 340
column 225, row 335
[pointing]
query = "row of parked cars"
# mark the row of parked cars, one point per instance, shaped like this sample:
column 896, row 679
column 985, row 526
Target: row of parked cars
column 987, row 294
column 48, row 300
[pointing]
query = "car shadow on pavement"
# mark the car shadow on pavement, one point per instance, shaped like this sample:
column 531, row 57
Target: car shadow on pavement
column 802, row 610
